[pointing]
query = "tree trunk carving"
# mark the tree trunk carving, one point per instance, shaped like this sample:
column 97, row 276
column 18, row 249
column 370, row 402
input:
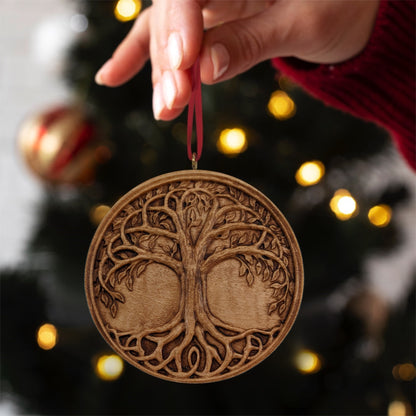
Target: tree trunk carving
column 191, row 225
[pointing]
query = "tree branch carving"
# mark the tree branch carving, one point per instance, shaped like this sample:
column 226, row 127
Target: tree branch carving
column 191, row 227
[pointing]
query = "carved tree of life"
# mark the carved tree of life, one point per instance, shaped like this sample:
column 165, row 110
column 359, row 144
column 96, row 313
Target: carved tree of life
column 190, row 227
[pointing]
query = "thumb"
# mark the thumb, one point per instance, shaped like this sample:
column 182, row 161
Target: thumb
column 235, row 47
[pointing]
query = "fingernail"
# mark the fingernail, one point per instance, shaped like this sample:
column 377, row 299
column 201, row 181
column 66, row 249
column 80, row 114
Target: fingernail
column 101, row 73
column 220, row 59
column 158, row 102
column 169, row 89
column 175, row 50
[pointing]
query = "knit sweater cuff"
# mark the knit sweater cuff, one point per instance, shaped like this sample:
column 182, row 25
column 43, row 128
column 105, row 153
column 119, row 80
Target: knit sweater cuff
column 379, row 83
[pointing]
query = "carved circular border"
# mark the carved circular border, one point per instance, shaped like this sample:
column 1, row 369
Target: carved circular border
column 197, row 175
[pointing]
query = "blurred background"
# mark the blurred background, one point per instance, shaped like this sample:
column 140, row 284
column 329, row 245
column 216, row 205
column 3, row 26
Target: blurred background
column 70, row 149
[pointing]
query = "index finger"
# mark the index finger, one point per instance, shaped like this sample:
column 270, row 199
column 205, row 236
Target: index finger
column 176, row 33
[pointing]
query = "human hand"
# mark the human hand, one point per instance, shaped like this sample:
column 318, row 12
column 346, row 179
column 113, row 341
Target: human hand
column 239, row 34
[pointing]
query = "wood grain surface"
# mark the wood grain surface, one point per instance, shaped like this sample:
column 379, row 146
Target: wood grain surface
column 194, row 277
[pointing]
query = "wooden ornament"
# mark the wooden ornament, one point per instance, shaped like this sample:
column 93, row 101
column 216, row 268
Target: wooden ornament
column 194, row 277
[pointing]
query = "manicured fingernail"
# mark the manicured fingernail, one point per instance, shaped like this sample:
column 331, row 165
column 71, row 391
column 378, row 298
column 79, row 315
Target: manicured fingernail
column 220, row 59
column 158, row 102
column 175, row 50
column 99, row 77
column 169, row 89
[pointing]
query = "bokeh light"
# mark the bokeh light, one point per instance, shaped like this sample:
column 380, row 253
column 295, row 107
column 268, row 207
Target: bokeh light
column 103, row 153
column 380, row 215
column 47, row 336
column 308, row 362
column 98, row 212
column 285, row 83
column 126, row 10
column 79, row 23
column 281, row 106
column 397, row 408
column 343, row 205
column 109, row 367
column 404, row 372
column 310, row 173
column 232, row 141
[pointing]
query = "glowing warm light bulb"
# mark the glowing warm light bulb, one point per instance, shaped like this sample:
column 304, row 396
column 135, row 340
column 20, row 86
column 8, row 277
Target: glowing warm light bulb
column 343, row 205
column 380, row 215
column 232, row 141
column 47, row 336
column 126, row 10
column 397, row 408
column 109, row 367
column 308, row 362
column 281, row 106
column 310, row 173
column 98, row 212
column 405, row 372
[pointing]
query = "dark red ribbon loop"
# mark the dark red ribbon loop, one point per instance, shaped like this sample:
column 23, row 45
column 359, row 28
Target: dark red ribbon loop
column 195, row 105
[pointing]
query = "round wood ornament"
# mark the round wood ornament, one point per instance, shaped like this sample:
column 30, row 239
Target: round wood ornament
column 194, row 277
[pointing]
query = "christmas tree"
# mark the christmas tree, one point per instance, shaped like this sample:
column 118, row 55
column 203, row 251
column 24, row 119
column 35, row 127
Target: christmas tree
column 351, row 350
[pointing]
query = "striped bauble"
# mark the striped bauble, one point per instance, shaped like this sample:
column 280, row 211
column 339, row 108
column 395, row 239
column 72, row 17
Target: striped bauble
column 62, row 145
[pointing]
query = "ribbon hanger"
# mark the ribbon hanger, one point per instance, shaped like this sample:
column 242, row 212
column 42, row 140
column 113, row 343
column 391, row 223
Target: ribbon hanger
column 195, row 106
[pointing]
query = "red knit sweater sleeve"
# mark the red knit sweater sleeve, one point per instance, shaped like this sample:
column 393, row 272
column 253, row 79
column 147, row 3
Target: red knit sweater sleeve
column 379, row 83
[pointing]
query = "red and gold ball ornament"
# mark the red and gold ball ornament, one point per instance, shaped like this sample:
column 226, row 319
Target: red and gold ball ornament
column 62, row 145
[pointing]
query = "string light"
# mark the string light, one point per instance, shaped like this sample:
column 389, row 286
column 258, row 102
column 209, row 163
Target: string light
column 47, row 336
column 404, row 372
column 98, row 212
column 397, row 408
column 308, row 362
column 343, row 205
column 109, row 367
column 380, row 215
column 232, row 141
column 310, row 173
column 281, row 106
column 126, row 10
